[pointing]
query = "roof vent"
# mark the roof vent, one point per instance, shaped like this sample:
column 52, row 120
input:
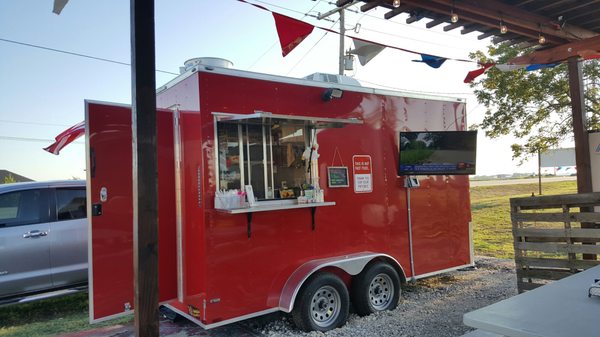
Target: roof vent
column 332, row 78
column 205, row 61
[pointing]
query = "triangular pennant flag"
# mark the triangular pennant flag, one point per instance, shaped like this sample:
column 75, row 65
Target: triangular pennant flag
column 432, row 61
column 291, row 32
column 533, row 67
column 365, row 51
column 58, row 6
column 472, row 75
column 510, row 67
column 66, row 137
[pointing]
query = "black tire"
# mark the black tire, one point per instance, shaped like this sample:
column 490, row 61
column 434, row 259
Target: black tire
column 322, row 303
column 376, row 288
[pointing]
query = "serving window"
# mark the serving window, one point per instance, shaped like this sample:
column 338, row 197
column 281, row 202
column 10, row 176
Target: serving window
column 266, row 155
column 272, row 153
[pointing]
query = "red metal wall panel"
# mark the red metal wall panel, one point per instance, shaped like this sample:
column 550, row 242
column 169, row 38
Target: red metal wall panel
column 243, row 275
column 111, row 286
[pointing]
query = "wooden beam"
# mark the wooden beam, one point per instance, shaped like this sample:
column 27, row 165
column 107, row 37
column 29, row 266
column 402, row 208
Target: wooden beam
column 487, row 19
column 551, row 4
column 435, row 22
column 396, row 11
column 573, row 7
column 582, row 146
column 145, row 178
column 500, row 38
column 469, row 29
column 414, row 17
column 582, row 48
column 490, row 12
column 341, row 3
column 486, row 35
column 452, row 26
column 370, row 5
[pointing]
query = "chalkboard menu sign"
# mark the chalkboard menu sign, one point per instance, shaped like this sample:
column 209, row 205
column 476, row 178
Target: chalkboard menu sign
column 337, row 176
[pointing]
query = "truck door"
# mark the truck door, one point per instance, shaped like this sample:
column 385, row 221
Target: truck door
column 110, row 209
column 24, row 242
column 68, row 249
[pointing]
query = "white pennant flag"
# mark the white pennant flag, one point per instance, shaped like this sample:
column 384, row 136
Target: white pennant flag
column 365, row 51
column 510, row 67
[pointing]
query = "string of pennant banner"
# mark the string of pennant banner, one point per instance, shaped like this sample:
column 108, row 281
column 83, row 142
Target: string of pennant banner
column 292, row 32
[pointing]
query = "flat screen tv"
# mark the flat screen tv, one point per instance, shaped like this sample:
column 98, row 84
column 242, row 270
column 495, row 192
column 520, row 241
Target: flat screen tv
column 437, row 152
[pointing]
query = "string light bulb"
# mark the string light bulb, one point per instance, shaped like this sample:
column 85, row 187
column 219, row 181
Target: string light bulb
column 396, row 3
column 503, row 28
column 453, row 17
column 541, row 38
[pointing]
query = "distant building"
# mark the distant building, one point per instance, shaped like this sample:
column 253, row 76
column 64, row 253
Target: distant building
column 5, row 174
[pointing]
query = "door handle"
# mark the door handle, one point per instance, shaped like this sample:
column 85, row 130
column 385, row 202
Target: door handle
column 34, row 234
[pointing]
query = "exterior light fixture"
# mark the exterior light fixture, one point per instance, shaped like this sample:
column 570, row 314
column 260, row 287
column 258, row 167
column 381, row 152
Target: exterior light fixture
column 332, row 93
column 453, row 17
column 541, row 38
column 503, row 28
column 396, row 3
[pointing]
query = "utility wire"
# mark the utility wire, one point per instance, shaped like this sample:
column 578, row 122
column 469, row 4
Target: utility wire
column 416, row 91
column 311, row 48
column 29, row 139
column 275, row 43
column 32, row 123
column 78, row 54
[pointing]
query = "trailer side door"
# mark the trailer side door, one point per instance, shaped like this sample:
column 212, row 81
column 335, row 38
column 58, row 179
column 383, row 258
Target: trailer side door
column 110, row 208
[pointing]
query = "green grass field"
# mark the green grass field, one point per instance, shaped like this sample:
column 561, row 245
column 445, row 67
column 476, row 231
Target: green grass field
column 490, row 208
column 49, row 317
column 492, row 237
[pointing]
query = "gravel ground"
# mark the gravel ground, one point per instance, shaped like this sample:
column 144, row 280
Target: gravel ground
column 430, row 307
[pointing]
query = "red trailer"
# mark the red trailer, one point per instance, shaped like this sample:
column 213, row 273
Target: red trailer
column 275, row 194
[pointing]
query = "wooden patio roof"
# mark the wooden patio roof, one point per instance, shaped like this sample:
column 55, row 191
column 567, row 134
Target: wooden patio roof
column 559, row 22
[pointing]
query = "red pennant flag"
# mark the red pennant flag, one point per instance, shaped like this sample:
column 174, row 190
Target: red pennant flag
column 66, row 137
column 472, row 75
column 291, row 32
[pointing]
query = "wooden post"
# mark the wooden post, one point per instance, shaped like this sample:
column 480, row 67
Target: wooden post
column 582, row 146
column 145, row 178
column 540, row 171
column 342, row 33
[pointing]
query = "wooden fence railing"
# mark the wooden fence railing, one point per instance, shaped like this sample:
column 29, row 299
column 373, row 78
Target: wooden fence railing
column 554, row 236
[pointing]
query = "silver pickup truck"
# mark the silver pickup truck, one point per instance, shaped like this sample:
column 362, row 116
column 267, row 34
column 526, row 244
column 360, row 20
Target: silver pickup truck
column 43, row 239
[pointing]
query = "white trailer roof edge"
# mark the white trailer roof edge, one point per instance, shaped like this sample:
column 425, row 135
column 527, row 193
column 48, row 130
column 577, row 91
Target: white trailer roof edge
column 302, row 81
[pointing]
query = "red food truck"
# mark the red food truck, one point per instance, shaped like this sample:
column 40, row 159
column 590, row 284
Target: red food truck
column 275, row 194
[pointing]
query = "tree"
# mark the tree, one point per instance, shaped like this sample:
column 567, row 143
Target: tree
column 533, row 106
column 9, row 179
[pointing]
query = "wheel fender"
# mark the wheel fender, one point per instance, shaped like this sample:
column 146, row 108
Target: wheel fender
column 352, row 264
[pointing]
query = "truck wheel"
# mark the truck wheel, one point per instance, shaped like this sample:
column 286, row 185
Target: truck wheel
column 322, row 304
column 377, row 288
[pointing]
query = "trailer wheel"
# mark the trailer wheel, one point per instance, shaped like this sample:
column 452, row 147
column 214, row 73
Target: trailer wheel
column 322, row 304
column 377, row 288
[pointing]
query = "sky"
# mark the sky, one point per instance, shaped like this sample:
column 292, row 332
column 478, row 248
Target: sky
column 42, row 91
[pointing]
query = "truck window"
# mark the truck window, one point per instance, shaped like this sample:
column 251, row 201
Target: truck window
column 23, row 208
column 267, row 156
column 70, row 203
